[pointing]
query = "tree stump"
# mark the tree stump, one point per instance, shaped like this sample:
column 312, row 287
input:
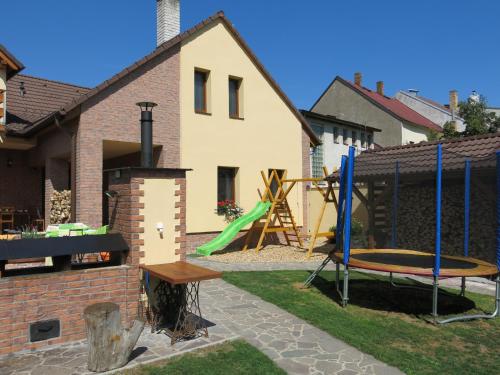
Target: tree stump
column 109, row 343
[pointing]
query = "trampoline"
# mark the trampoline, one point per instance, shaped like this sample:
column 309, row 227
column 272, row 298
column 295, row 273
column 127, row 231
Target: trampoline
column 419, row 217
column 413, row 262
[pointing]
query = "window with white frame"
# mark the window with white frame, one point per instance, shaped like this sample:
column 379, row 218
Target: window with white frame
column 317, row 154
column 355, row 138
column 370, row 140
column 335, row 134
column 363, row 140
column 345, row 136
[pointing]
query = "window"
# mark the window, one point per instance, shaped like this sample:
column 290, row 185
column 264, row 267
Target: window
column 370, row 140
column 317, row 154
column 226, row 185
column 345, row 136
column 200, row 91
column 355, row 138
column 234, row 98
column 274, row 184
column 363, row 140
column 335, row 134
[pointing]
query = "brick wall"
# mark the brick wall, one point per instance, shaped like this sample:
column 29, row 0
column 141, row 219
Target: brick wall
column 125, row 209
column 64, row 296
column 113, row 115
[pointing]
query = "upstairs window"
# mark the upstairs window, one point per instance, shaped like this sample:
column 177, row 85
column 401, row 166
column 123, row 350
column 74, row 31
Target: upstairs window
column 200, row 91
column 335, row 134
column 235, row 97
column 370, row 140
column 345, row 136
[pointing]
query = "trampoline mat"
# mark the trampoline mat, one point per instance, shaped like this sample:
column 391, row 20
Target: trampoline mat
column 413, row 260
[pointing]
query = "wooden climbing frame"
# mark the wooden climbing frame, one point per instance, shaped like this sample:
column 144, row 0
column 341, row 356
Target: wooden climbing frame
column 279, row 217
column 328, row 197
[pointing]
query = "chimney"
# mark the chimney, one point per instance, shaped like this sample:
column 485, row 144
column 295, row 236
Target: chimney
column 358, row 78
column 380, row 87
column 453, row 103
column 168, row 23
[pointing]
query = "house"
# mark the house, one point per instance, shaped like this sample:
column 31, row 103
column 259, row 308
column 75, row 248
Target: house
column 9, row 67
column 351, row 101
column 434, row 111
column 219, row 113
column 336, row 136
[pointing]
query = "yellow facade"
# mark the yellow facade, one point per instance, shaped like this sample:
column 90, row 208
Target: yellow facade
column 269, row 135
column 159, row 210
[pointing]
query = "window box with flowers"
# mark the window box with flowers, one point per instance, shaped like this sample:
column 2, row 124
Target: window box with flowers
column 229, row 209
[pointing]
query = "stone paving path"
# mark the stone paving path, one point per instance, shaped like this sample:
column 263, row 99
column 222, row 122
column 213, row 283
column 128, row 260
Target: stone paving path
column 294, row 345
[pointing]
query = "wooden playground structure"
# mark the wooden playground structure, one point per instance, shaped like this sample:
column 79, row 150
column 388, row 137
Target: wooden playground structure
column 279, row 218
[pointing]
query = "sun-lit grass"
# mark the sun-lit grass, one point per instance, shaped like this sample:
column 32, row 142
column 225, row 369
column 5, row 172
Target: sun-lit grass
column 388, row 323
column 236, row 357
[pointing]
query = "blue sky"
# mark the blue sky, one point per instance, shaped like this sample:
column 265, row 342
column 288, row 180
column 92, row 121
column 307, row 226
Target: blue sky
column 433, row 46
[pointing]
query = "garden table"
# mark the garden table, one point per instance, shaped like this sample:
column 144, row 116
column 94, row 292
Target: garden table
column 175, row 305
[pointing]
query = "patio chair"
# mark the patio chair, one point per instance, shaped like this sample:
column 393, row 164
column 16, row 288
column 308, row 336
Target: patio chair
column 6, row 218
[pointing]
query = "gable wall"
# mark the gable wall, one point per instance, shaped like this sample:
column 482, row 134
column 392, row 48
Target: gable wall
column 114, row 116
column 344, row 103
column 269, row 136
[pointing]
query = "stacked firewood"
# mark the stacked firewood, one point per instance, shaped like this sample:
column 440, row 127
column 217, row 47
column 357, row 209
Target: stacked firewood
column 416, row 219
column 60, row 207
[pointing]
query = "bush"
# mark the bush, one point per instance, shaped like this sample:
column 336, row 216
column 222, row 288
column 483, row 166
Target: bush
column 356, row 227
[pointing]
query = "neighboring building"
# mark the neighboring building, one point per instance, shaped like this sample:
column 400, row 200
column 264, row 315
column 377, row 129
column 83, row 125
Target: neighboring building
column 219, row 112
column 352, row 102
column 336, row 136
column 437, row 113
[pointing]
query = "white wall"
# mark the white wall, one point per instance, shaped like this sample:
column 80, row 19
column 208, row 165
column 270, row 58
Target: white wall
column 332, row 149
column 413, row 134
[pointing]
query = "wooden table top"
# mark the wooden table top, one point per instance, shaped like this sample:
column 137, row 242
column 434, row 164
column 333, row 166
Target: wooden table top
column 181, row 272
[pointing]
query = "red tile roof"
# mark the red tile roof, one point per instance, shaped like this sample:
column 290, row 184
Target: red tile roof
column 42, row 97
column 393, row 106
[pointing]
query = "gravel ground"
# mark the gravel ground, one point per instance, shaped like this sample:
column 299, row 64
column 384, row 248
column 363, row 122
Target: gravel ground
column 272, row 253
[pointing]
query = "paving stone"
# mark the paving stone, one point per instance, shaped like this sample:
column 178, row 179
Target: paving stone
column 328, row 367
column 294, row 345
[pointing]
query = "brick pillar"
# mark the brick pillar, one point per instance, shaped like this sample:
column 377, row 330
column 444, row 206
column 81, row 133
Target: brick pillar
column 56, row 178
column 88, row 180
column 128, row 209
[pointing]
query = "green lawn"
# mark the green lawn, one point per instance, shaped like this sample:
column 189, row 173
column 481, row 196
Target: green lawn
column 236, row 357
column 387, row 323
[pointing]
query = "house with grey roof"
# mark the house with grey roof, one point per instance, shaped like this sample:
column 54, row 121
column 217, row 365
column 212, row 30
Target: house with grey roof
column 434, row 111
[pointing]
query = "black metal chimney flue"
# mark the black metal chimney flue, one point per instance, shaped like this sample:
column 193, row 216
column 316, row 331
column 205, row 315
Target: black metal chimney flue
column 146, row 133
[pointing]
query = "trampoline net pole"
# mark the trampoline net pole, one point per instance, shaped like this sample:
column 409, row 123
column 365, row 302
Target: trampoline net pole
column 437, row 254
column 498, row 208
column 466, row 207
column 395, row 207
column 339, row 230
column 348, row 206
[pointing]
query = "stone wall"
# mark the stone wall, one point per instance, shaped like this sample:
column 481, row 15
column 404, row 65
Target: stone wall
column 417, row 224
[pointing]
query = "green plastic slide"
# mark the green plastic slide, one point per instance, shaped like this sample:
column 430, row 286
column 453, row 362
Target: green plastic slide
column 233, row 229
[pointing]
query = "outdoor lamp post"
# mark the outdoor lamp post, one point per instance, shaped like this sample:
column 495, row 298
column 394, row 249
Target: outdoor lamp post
column 147, row 133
